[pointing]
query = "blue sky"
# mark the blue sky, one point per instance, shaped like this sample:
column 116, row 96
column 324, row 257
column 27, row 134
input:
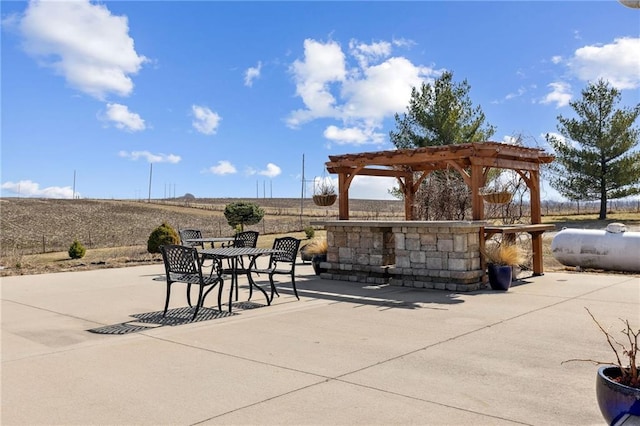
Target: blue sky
column 225, row 98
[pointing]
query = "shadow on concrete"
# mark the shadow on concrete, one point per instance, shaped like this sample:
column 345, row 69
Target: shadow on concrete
column 177, row 316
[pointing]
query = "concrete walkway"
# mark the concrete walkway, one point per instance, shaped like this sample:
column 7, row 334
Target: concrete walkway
column 344, row 354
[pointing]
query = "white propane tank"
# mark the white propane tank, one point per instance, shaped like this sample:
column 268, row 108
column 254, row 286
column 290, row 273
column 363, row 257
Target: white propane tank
column 613, row 249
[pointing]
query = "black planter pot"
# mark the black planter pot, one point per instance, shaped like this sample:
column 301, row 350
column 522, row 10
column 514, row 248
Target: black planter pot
column 499, row 276
column 615, row 400
column 316, row 260
column 306, row 257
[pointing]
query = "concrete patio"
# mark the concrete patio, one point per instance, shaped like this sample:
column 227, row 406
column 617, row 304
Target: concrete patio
column 346, row 353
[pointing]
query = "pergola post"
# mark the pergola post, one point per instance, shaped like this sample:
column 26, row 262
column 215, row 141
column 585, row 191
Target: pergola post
column 343, row 196
column 477, row 182
column 409, row 198
column 536, row 217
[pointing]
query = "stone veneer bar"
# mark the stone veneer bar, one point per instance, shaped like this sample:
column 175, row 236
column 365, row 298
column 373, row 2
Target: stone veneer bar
column 441, row 255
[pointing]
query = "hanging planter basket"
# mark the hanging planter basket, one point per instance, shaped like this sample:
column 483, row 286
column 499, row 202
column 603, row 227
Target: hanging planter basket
column 324, row 199
column 500, row 197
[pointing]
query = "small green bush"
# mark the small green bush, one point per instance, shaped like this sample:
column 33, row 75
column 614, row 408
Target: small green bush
column 163, row 234
column 77, row 250
column 309, row 232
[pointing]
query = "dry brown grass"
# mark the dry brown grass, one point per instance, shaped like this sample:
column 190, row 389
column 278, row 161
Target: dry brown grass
column 35, row 234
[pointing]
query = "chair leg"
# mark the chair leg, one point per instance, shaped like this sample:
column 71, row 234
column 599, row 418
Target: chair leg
column 220, row 295
column 200, row 302
column 274, row 290
column 293, row 284
column 189, row 294
column 166, row 303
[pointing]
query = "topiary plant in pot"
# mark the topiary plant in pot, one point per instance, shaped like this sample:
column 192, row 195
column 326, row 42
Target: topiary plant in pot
column 618, row 383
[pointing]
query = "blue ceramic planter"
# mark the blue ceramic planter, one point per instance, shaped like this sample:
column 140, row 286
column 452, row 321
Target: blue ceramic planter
column 499, row 276
column 615, row 400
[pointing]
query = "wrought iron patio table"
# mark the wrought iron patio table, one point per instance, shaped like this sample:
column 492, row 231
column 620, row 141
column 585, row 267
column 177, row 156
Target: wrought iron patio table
column 210, row 240
column 233, row 254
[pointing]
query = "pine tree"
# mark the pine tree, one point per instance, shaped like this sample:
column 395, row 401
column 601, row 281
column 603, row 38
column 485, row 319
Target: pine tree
column 441, row 114
column 595, row 157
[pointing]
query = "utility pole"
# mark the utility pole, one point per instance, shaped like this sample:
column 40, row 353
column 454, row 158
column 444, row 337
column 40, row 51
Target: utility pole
column 150, row 175
column 302, row 192
column 73, row 197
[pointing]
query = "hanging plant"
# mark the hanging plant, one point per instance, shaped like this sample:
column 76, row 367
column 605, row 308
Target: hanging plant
column 497, row 197
column 497, row 193
column 324, row 193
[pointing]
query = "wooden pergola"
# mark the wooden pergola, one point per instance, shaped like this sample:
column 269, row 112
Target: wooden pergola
column 472, row 160
column 411, row 166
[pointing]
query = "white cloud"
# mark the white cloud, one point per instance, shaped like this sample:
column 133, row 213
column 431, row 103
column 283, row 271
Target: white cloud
column 560, row 94
column 224, row 167
column 151, row 158
column 352, row 135
column 323, row 64
column 123, row 118
column 559, row 138
column 556, row 59
column 372, row 187
column 359, row 93
column 27, row 188
column 510, row 139
column 384, row 90
column 251, row 74
column 205, row 121
column 83, row 42
column 271, row 171
column 521, row 91
column 364, row 53
column 617, row 62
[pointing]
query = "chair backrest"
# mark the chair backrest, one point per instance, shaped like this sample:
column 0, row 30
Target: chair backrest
column 289, row 249
column 246, row 239
column 180, row 259
column 186, row 234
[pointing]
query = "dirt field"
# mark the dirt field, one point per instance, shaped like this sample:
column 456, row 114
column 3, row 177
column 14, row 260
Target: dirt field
column 35, row 234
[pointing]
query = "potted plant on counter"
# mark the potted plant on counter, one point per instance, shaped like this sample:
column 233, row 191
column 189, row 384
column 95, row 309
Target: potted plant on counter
column 618, row 383
column 501, row 258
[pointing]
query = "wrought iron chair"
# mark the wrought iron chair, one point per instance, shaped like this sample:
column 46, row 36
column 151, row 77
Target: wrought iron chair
column 282, row 262
column 187, row 234
column 182, row 264
column 246, row 239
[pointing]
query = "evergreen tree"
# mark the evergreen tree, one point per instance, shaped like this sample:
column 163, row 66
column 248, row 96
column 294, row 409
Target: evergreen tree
column 595, row 158
column 441, row 114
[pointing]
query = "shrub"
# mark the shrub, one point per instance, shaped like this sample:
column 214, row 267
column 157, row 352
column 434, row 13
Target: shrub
column 163, row 234
column 309, row 232
column 243, row 213
column 76, row 250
